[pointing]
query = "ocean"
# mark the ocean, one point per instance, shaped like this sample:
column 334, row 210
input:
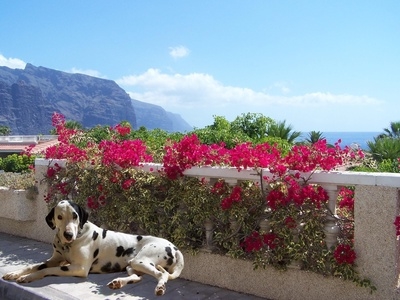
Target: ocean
column 348, row 138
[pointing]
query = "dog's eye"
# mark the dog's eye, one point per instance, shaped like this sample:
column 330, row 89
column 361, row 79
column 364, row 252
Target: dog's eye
column 74, row 216
column 59, row 217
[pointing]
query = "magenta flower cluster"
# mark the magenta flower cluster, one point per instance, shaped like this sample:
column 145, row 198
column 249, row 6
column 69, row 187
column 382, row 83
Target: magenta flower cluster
column 120, row 153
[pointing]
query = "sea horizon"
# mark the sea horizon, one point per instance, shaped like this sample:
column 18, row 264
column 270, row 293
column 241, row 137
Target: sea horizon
column 348, row 138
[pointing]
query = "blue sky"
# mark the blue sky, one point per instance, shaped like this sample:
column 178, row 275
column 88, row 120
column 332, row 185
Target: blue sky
column 319, row 65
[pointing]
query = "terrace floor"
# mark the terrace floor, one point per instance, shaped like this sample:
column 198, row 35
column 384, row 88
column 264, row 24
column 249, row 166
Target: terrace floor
column 16, row 252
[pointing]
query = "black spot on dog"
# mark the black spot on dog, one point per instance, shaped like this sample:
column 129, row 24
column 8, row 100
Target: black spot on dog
column 95, row 253
column 151, row 264
column 169, row 252
column 104, row 233
column 95, row 235
column 170, row 259
column 120, row 251
column 59, row 252
column 128, row 251
column 139, row 237
column 54, row 245
column 109, row 268
column 106, row 268
column 116, row 268
column 95, row 262
column 165, row 257
column 130, row 282
column 42, row 266
column 124, row 252
column 64, row 268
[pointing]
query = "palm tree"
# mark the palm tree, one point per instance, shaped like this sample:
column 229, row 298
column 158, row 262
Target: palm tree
column 71, row 124
column 392, row 132
column 384, row 148
column 283, row 131
column 314, row 136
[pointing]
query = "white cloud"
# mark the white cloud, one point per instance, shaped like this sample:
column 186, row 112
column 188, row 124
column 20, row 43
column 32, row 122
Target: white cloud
column 199, row 90
column 197, row 97
column 13, row 63
column 89, row 72
column 178, row 52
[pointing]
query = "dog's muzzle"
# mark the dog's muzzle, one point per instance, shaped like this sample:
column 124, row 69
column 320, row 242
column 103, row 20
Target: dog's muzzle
column 68, row 236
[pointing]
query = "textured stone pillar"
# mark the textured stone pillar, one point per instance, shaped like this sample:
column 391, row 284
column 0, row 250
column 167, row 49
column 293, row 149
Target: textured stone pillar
column 43, row 231
column 376, row 244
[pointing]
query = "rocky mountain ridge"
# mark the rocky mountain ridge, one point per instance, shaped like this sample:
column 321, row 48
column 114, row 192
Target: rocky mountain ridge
column 28, row 98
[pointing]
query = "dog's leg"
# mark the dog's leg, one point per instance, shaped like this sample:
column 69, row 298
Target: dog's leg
column 148, row 267
column 69, row 270
column 120, row 282
column 54, row 261
column 27, row 270
column 162, row 281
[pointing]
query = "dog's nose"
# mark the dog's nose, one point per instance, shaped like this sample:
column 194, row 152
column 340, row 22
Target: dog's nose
column 68, row 235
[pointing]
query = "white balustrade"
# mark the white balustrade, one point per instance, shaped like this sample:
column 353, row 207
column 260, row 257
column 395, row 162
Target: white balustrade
column 331, row 229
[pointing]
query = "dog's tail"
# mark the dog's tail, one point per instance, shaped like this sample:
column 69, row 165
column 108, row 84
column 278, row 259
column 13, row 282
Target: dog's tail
column 177, row 268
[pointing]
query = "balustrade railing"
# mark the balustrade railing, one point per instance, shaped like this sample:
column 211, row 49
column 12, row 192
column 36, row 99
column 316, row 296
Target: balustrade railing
column 233, row 177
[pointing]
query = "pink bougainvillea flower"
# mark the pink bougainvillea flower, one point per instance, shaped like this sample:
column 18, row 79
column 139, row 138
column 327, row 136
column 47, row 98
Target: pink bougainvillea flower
column 344, row 254
column 127, row 183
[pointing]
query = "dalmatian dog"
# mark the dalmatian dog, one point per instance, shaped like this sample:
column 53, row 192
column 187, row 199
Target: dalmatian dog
column 80, row 248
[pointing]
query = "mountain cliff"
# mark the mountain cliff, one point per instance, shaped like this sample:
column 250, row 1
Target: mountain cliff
column 29, row 97
column 153, row 116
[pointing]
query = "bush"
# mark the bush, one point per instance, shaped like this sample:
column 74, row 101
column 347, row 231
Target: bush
column 371, row 165
column 17, row 163
column 17, row 181
column 107, row 179
column 384, row 148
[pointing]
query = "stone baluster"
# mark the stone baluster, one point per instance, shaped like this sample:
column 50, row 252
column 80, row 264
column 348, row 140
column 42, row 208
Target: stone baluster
column 264, row 225
column 295, row 264
column 331, row 228
column 209, row 228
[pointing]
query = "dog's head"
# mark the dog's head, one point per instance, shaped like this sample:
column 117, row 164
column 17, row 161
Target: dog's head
column 68, row 217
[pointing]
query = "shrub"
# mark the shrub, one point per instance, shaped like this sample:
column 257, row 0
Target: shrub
column 384, row 148
column 17, row 163
column 108, row 180
column 17, row 181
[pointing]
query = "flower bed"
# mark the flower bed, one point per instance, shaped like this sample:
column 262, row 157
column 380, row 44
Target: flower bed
column 280, row 219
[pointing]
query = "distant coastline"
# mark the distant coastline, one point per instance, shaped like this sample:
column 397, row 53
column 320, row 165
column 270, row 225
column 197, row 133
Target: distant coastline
column 348, row 138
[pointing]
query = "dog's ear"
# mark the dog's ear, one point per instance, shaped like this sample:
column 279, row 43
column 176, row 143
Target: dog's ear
column 50, row 219
column 82, row 213
column 83, row 217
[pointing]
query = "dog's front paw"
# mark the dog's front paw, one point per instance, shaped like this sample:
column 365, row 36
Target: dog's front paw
column 25, row 278
column 115, row 284
column 11, row 276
